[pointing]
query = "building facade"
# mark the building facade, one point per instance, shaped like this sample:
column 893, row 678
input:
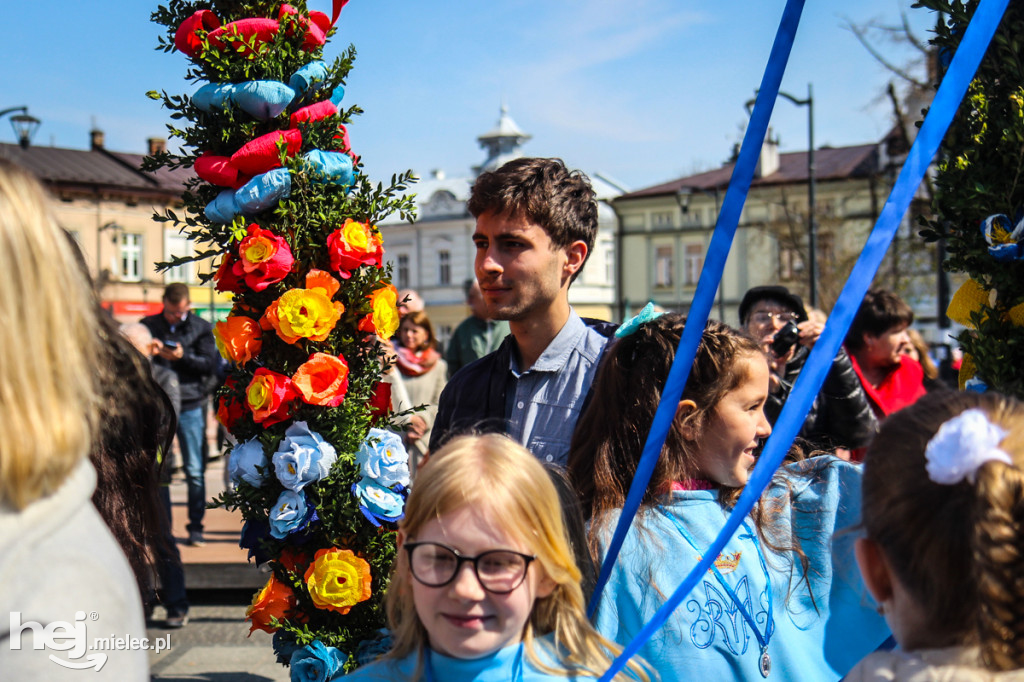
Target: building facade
column 665, row 231
column 107, row 203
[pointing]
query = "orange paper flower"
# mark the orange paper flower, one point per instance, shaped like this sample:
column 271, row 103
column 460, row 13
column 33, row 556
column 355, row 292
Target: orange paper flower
column 275, row 600
column 338, row 580
column 384, row 318
column 352, row 245
column 270, row 396
column 239, row 339
column 322, row 380
column 306, row 313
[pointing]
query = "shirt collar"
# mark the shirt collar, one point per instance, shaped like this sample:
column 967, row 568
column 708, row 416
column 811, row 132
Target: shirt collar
column 557, row 353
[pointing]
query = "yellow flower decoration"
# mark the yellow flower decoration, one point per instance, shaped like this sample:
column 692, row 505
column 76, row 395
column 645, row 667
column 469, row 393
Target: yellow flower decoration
column 384, row 302
column 969, row 298
column 306, row 313
column 338, row 580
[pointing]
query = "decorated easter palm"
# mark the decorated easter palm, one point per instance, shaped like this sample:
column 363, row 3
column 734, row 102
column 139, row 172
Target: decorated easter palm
column 980, row 202
column 280, row 203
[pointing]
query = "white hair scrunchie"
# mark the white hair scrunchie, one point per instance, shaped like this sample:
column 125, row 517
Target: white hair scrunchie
column 962, row 445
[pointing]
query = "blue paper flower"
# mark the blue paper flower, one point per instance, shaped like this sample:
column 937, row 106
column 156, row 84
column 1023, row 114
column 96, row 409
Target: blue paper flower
column 369, row 650
column 284, row 646
column 309, row 78
column 383, row 458
column 251, row 539
column 245, row 462
column 316, row 663
column 288, row 514
column 303, row 457
column 377, row 503
column 263, row 191
column 332, row 167
column 263, row 99
column 1005, row 239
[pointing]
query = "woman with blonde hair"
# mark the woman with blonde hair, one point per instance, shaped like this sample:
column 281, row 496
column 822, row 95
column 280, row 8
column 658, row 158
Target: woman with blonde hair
column 484, row 584
column 58, row 561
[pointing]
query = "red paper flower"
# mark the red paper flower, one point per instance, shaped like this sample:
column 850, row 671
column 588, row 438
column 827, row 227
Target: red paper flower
column 275, row 600
column 217, row 170
column 260, row 155
column 313, row 112
column 263, row 258
column 229, row 409
column 322, row 380
column 186, row 38
column 253, row 33
column 380, row 403
column 352, row 245
column 271, row 397
column 225, row 277
column 315, row 27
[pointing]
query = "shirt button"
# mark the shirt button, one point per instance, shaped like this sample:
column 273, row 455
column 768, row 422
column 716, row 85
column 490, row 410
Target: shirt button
column 520, row 405
column 550, row 458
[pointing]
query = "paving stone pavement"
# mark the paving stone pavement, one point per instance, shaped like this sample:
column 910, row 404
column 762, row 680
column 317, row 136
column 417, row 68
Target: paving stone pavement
column 213, row 647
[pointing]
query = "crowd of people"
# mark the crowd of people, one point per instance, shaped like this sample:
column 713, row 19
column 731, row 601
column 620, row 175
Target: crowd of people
column 887, row 546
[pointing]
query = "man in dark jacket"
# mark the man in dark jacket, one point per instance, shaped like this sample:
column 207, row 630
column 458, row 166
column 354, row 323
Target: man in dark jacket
column 535, row 226
column 189, row 350
column 840, row 416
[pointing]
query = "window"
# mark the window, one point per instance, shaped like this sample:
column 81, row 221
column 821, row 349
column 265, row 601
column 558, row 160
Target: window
column 609, row 266
column 403, row 271
column 662, row 219
column 131, row 257
column 693, row 262
column 791, row 262
column 178, row 245
column 663, row 266
column 444, row 273
column 444, row 335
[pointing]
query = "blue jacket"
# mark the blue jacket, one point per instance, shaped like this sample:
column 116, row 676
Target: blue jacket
column 707, row 638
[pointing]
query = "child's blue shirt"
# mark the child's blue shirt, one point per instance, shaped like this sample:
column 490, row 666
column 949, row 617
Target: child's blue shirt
column 503, row 665
column 707, row 638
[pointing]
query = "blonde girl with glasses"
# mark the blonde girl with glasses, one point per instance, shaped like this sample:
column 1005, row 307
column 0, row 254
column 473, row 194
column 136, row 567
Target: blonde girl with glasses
column 485, row 586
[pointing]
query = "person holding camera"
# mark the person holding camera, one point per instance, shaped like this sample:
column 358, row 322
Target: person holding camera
column 840, row 419
column 189, row 350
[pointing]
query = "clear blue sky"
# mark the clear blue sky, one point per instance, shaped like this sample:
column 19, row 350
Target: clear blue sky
column 642, row 90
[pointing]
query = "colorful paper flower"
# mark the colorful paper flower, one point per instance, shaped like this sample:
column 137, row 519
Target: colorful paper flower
column 251, row 538
column 306, row 313
column 225, row 277
column 303, row 457
column 322, row 380
column 261, row 154
column 246, row 461
column 275, row 600
column 337, row 580
column 317, row 663
column 1005, row 239
column 246, row 36
column 384, row 320
column 352, row 245
column 383, row 458
column 377, row 503
column 380, row 403
column 229, row 411
column 270, row 396
column 187, row 39
column 239, row 339
column 369, row 650
column 263, row 258
column 289, row 514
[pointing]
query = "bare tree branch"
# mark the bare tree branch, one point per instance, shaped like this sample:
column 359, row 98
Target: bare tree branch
column 861, row 32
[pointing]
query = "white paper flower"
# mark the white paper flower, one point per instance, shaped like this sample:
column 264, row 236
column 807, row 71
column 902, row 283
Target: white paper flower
column 962, row 445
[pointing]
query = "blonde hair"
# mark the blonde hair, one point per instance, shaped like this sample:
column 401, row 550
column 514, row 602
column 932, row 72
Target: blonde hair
column 958, row 549
column 496, row 473
column 48, row 333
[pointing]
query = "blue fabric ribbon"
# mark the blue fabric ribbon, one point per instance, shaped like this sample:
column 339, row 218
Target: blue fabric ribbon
column 710, row 276
column 648, row 314
column 962, row 68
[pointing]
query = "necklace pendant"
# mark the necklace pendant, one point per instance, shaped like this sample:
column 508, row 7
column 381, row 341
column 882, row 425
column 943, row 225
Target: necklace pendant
column 765, row 663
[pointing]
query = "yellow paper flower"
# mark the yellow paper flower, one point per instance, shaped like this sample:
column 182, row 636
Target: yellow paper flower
column 306, row 313
column 384, row 302
column 338, row 580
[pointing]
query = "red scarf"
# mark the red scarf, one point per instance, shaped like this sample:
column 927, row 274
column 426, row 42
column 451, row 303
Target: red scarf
column 413, row 364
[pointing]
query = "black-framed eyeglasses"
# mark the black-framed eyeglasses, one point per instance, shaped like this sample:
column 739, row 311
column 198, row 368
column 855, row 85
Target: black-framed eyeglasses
column 499, row 571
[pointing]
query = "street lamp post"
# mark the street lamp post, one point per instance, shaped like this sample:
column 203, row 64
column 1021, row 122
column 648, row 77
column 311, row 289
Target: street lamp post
column 24, row 124
column 812, row 225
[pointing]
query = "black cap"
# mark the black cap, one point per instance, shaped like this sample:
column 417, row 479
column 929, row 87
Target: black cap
column 772, row 293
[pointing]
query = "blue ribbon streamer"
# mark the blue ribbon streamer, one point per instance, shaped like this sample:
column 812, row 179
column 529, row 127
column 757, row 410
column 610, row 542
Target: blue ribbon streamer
column 968, row 56
column 710, row 276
